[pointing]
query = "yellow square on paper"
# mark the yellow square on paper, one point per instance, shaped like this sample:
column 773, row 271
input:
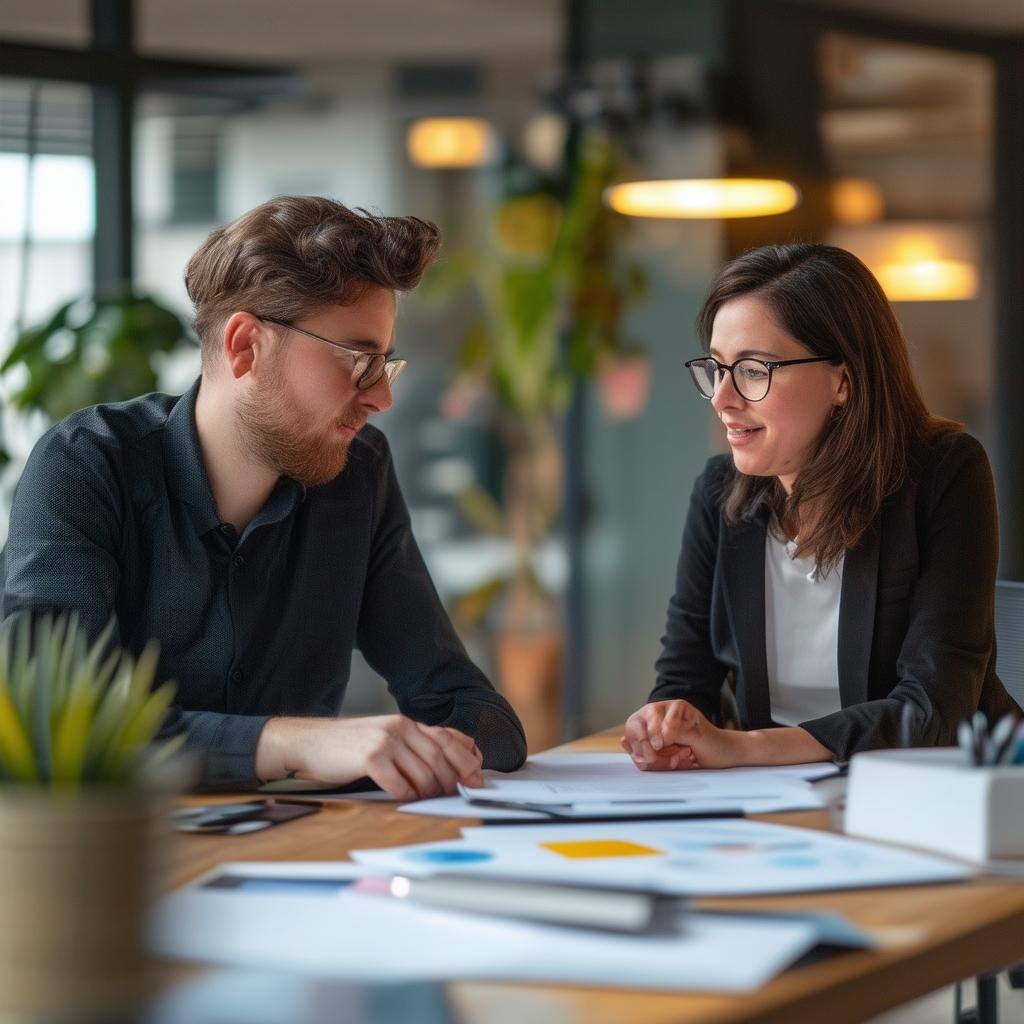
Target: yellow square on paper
column 601, row 848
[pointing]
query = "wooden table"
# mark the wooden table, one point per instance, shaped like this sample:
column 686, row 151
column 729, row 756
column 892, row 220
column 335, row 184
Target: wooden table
column 931, row 936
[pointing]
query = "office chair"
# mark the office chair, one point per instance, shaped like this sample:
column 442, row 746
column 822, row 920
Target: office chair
column 1010, row 669
column 1010, row 637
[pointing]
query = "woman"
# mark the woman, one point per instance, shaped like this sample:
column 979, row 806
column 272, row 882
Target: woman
column 841, row 563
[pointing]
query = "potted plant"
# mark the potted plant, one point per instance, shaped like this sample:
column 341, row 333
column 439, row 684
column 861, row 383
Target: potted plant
column 82, row 791
column 551, row 289
column 93, row 349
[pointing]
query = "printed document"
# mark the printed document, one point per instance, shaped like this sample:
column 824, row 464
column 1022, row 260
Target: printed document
column 726, row 857
column 304, row 917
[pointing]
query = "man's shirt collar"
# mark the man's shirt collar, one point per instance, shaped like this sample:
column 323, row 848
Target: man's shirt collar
column 183, row 459
column 186, row 472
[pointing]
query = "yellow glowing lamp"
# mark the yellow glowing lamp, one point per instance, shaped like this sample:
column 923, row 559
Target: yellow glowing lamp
column 857, row 201
column 449, row 142
column 918, row 270
column 703, row 198
column 917, row 261
column 928, row 280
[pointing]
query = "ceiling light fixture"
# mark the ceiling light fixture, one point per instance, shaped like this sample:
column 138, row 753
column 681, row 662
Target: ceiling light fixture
column 450, row 142
column 703, row 198
column 917, row 261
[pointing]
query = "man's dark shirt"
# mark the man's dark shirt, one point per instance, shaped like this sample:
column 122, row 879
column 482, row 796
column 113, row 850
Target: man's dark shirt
column 114, row 515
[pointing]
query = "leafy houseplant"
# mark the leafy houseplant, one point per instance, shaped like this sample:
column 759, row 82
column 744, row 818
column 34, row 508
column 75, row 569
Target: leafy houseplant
column 551, row 290
column 91, row 350
column 80, row 781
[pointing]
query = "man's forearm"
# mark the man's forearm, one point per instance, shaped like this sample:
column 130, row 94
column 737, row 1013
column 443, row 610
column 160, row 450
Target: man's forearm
column 282, row 744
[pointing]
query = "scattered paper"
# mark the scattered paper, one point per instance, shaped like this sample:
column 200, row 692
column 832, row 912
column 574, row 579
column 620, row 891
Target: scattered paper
column 727, row 857
column 786, row 796
column 567, row 778
column 460, row 807
column 323, row 929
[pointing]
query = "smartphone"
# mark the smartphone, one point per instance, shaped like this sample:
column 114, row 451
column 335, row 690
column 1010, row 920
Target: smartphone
column 239, row 819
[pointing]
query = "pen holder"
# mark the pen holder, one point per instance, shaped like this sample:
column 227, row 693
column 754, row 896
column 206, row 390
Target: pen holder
column 934, row 799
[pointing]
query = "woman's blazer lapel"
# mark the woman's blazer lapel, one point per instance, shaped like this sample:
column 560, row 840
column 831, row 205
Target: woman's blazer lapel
column 743, row 574
column 857, row 617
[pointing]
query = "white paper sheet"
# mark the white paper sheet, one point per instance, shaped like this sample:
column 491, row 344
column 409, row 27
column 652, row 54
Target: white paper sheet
column 728, row 857
column 787, row 796
column 374, row 938
column 605, row 782
column 572, row 778
column 459, row 807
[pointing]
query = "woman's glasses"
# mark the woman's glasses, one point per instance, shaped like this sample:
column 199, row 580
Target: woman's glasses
column 750, row 377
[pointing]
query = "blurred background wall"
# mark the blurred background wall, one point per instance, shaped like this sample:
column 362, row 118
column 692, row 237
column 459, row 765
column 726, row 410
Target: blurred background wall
column 128, row 131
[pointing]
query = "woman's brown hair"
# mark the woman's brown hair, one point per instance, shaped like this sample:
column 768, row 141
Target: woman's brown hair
column 831, row 303
column 293, row 255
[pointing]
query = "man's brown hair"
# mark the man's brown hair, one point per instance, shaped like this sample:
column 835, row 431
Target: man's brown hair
column 831, row 303
column 293, row 255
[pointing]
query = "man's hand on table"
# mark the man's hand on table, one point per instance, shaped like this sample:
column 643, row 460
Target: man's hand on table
column 409, row 760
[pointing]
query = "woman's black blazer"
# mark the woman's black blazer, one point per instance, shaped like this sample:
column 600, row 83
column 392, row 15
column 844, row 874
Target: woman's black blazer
column 916, row 612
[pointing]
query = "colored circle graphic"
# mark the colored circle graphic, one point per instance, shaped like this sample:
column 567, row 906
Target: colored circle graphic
column 451, row 856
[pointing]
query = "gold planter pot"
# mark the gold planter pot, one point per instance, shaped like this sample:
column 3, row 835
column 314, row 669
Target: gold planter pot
column 77, row 877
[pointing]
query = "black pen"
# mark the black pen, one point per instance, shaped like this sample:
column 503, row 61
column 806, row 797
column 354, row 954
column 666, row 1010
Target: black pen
column 979, row 725
column 906, row 714
column 1001, row 738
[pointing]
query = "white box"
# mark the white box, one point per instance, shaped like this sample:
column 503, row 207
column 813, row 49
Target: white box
column 932, row 798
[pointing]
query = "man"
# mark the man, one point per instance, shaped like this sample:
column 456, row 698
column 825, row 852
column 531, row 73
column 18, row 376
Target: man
column 255, row 527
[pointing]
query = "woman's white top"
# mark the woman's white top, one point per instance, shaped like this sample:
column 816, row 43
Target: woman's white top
column 801, row 611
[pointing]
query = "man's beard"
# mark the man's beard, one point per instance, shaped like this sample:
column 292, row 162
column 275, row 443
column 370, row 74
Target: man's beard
column 267, row 428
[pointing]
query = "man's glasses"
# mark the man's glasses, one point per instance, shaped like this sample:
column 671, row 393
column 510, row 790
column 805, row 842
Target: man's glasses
column 750, row 377
column 368, row 368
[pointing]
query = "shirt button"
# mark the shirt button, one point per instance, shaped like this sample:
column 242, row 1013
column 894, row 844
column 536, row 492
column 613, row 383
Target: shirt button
column 236, row 676
column 238, row 561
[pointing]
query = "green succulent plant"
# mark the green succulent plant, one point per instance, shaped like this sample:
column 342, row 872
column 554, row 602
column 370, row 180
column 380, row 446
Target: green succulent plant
column 75, row 714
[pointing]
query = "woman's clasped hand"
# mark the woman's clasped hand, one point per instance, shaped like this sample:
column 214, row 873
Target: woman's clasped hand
column 672, row 734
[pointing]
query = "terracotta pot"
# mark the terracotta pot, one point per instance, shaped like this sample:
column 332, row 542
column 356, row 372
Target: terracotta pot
column 530, row 670
column 79, row 874
column 624, row 384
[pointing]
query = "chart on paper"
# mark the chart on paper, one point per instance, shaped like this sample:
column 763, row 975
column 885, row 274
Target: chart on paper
column 705, row 858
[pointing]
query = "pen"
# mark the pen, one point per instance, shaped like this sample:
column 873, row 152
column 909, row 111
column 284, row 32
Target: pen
column 589, row 812
column 979, row 725
column 965, row 740
column 1002, row 737
column 1015, row 754
column 620, row 910
column 906, row 714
